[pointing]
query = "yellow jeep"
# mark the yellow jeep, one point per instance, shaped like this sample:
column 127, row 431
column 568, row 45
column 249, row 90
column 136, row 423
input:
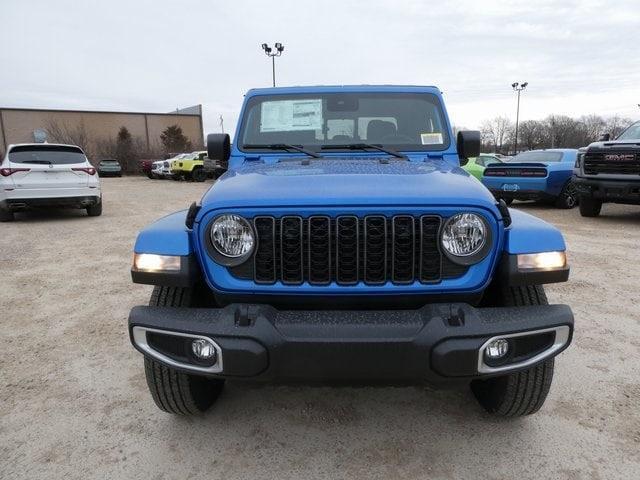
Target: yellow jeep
column 190, row 166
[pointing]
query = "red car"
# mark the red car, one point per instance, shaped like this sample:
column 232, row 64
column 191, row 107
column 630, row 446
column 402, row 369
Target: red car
column 145, row 166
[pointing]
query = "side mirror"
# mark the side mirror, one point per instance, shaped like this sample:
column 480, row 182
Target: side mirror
column 219, row 147
column 468, row 145
column 605, row 137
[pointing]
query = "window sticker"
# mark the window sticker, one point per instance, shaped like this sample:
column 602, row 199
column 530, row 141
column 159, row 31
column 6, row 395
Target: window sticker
column 431, row 138
column 291, row 115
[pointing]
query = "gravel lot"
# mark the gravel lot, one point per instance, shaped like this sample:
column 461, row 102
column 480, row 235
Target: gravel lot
column 74, row 403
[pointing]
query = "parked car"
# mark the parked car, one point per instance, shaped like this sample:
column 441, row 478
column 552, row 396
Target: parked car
column 109, row 168
column 190, row 166
column 37, row 175
column 608, row 171
column 476, row 165
column 161, row 169
column 368, row 258
column 541, row 175
column 146, row 167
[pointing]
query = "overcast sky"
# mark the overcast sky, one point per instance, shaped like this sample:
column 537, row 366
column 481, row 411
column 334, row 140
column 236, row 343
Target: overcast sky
column 579, row 57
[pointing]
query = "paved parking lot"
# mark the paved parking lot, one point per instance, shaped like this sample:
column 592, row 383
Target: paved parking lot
column 74, row 403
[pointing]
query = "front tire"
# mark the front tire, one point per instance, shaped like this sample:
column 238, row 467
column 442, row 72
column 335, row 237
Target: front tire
column 524, row 392
column 590, row 207
column 174, row 391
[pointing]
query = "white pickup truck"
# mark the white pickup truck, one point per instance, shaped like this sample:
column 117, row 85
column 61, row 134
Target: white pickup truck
column 34, row 175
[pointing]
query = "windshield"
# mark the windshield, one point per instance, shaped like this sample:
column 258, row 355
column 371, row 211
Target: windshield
column 46, row 154
column 400, row 121
column 542, row 157
column 631, row 133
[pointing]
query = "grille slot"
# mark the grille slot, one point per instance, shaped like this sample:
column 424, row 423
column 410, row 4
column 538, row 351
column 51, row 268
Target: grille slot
column 403, row 235
column 625, row 163
column 347, row 249
column 374, row 249
column 319, row 249
column 264, row 259
column 430, row 256
column 291, row 260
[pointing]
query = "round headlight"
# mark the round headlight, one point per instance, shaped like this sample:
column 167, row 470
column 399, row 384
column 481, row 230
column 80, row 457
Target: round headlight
column 232, row 236
column 464, row 238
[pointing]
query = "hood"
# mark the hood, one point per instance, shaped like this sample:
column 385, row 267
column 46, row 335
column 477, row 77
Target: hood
column 614, row 144
column 344, row 181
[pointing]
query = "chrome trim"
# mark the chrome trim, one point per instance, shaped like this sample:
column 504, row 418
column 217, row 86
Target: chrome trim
column 393, row 250
column 288, row 282
column 357, row 219
column 364, row 243
column 273, row 238
column 328, row 220
column 561, row 339
column 139, row 335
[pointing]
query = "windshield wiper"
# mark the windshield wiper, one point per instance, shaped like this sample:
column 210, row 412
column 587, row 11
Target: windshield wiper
column 285, row 146
column 365, row 146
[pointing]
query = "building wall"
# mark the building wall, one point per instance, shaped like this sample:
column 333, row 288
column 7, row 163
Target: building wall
column 19, row 125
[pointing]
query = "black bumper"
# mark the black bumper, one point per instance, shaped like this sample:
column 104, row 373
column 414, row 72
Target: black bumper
column 614, row 191
column 17, row 204
column 438, row 343
column 537, row 195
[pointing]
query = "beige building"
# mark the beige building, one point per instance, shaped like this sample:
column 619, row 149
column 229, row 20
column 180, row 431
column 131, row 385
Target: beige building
column 25, row 125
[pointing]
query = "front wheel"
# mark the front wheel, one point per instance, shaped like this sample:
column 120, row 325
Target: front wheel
column 524, row 392
column 174, row 391
column 590, row 207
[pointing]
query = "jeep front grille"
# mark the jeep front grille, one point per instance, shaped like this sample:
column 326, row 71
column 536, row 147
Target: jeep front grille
column 616, row 163
column 347, row 249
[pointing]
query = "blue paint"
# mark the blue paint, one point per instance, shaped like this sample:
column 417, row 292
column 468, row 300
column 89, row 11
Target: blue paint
column 166, row 236
column 529, row 234
column 558, row 174
column 279, row 183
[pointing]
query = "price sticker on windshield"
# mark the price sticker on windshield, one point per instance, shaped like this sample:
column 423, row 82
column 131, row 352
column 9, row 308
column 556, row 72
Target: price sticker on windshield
column 431, row 138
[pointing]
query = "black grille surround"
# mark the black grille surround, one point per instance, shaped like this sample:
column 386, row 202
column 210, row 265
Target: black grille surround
column 623, row 162
column 348, row 249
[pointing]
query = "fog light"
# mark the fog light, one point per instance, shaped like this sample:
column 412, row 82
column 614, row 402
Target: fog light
column 203, row 349
column 497, row 349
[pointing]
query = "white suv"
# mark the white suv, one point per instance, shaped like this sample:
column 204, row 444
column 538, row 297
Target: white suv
column 47, row 175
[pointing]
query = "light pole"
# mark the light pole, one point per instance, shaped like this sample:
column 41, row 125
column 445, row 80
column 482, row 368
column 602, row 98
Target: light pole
column 274, row 52
column 518, row 88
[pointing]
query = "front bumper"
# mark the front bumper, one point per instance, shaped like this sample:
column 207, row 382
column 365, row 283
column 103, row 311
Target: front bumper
column 616, row 191
column 438, row 343
column 537, row 195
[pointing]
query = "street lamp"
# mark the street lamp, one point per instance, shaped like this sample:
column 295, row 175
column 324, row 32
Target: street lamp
column 518, row 88
column 274, row 52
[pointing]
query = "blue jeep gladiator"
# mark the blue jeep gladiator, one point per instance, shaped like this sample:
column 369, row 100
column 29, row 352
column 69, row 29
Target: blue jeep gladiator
column 346, row 244
column 541, row 175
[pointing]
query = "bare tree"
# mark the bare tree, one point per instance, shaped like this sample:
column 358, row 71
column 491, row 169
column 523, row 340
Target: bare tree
column 531, row 134
column 496, row 132
column 61, row 132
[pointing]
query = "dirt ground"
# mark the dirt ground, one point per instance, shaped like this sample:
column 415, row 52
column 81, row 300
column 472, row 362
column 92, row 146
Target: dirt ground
column 74, row 403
